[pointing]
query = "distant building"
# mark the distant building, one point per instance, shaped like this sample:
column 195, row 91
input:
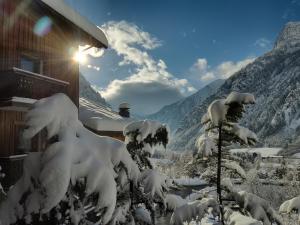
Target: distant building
column 37, row 42
column 103, row 120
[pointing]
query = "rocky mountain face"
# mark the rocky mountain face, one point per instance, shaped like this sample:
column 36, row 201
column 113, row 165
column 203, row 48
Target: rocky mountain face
column 87, row 92
column 174, row 113
column 274, row 79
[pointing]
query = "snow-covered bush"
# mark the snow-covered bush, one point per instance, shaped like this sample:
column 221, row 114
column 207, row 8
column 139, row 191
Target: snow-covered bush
column 205, row 145
column 77, row 171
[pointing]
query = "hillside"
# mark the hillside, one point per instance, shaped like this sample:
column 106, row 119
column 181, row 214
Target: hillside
column 173, row 114
column 274, row 79
column 87, row 92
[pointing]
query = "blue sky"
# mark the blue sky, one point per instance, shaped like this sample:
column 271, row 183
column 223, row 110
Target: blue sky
column 191, row 43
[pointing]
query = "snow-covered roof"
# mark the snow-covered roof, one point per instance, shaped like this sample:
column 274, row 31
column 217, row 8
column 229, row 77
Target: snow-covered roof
column 101, row 118
column 106, row 124
column 124, row 105
column 66, row 11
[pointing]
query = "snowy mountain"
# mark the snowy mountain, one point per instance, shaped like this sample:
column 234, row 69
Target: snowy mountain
column 174, row 113
column 87, row 92
column 274, row 79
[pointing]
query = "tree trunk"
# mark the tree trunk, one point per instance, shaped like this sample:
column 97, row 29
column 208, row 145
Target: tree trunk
column 219, row 190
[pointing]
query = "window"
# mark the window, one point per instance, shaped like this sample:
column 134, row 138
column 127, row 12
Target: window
column 31, row 64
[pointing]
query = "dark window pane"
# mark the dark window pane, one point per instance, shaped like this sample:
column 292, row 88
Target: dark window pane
column 30, row 64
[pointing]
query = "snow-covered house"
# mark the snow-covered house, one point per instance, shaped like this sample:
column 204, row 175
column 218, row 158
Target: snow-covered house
column 37, row 45
column 103, row 120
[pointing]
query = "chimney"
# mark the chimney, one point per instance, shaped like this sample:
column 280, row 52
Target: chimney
column 124, row 110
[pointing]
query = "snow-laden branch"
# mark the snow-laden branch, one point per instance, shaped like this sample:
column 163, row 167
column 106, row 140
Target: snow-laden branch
column 77, row 153
column 205, row 145
column 243, row 133
column 155, row 183
column 234, row 166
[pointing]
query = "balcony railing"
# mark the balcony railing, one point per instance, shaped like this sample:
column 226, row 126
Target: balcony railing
column 25, row 84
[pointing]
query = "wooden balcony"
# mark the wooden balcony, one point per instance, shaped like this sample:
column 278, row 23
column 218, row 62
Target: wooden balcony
column 17, row 84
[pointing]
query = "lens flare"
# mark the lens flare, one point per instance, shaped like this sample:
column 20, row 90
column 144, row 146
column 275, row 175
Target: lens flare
column 42, row 26
column 80, row 57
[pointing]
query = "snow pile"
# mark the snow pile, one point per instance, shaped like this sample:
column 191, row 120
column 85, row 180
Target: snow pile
column 194, row 211
column 77, row 154
column 174, row 201
column 205, row 145
column 290, row 205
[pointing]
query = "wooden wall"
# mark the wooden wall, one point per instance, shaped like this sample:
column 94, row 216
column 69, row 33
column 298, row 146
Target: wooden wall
column 54, row 49
column 11, row 123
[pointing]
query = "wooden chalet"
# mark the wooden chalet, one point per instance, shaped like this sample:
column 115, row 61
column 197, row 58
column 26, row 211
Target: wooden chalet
column 38, row 39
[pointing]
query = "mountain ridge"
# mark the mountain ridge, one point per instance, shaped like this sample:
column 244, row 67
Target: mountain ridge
column 274, row 80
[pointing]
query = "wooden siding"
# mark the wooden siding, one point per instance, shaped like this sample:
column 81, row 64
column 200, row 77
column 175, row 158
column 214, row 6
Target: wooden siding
column 114, row 134
column 10, row 125
column 55, row 49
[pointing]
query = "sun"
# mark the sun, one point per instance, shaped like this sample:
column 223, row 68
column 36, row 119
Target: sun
column 80, row 57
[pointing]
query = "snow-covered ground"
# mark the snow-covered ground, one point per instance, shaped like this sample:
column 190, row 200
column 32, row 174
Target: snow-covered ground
column 186, row 181
column 264, row 152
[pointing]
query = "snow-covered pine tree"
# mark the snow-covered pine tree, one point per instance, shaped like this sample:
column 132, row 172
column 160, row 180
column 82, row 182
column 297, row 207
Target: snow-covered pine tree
column 141, row 138
column 222, row 129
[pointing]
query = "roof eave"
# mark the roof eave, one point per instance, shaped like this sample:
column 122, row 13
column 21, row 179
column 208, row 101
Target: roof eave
column 75, row 18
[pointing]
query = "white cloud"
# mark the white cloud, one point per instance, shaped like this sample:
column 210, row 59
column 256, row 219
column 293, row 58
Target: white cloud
column 202, row 73
column 150, row 86
column 263, row 43
column 201, row 64
column 228, row 68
